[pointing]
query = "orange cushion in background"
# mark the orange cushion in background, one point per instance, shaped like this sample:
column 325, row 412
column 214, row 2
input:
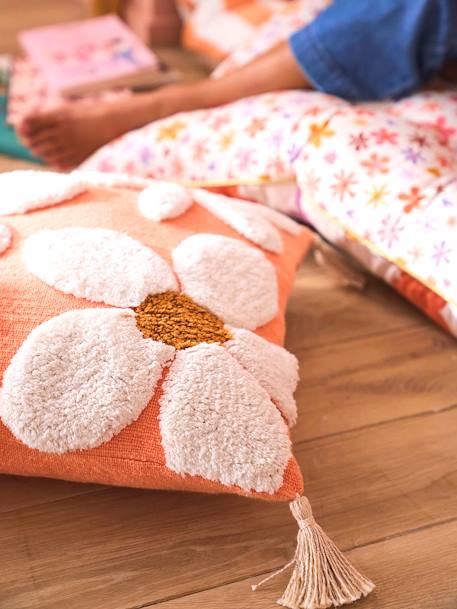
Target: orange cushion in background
column 214, row 29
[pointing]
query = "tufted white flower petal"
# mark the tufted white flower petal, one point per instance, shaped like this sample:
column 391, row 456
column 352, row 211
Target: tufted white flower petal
column 26, row 190
column 98, row 264
column 164, row 201
column 280, row 220
column 232, row 279
column 243, row 217
column 79, row 379
column 275, row 369
column 217, row 422
column 6, row 237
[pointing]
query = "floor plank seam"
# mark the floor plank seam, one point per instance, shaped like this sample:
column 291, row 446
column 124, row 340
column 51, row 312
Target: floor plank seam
column 38, row 503
column 359, row 337
column 406, row 532
column 266, row 572
column 416, row 415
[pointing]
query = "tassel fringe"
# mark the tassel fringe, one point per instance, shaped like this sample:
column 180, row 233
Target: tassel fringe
column 322, row 577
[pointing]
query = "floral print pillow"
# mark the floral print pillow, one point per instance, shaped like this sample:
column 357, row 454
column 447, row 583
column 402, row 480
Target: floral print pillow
column 376, row 179
column 246, row 148
column 141, row 332
column 381, row 184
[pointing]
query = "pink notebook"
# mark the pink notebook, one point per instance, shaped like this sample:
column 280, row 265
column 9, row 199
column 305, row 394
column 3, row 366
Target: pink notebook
column 87, row 56
column 28, row 93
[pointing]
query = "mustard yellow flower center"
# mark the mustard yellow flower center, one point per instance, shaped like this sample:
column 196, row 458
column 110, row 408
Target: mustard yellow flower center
column 175, row 319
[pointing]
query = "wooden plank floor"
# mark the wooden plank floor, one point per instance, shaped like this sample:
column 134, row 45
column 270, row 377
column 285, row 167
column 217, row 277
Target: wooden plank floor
column 376, row 440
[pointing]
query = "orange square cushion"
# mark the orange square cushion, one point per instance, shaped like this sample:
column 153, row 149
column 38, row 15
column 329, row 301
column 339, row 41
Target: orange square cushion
column 141, row 327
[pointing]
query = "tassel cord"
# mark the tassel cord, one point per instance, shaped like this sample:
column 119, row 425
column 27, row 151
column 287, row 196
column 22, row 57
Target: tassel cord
column 272, row 575
column 322, row 577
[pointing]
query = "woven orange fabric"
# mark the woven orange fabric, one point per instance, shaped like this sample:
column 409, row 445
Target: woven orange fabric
column 135, row 456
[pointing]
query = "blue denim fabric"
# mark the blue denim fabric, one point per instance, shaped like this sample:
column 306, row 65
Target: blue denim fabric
column 376, row 49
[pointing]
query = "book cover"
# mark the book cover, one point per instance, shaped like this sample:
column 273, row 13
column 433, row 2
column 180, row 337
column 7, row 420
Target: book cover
column 87, row 55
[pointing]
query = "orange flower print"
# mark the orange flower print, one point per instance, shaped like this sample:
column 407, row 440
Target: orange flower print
column 412, row 199
column 317, row 131
column 384, row 136
column 170, row 132
column 442, row 160
column 435, row 171
column 226, row 140
column 376, row 164
column 313, row 111
column 343, row 184
column 430, row 106
column 444, row 129
column 361, row 111
column 256, row 125
column 377, row 195
column 220, row 121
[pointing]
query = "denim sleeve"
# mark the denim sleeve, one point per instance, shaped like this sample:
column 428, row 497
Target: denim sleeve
column 376, row 49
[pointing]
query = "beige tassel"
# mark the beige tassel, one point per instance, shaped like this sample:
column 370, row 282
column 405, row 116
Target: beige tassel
column 322, row 576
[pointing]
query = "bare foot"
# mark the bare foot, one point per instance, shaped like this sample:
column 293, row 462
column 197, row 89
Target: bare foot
column 66, row 136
